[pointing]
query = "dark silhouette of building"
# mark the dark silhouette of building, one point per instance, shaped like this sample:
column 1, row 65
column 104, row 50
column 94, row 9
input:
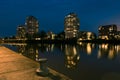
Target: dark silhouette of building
column 21, row 32
column 32, row 26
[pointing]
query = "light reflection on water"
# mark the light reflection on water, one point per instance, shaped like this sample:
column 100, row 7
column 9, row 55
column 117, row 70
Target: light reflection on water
column 84, row 61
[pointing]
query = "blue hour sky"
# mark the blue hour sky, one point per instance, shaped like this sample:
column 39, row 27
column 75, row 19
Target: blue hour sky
column 51, row 13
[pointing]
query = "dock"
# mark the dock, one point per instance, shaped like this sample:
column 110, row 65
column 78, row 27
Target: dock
column 14, row 66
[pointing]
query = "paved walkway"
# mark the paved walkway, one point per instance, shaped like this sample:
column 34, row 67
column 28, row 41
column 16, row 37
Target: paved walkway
column 17, row 67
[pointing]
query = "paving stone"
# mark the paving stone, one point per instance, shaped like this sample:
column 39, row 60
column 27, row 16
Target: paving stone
column 14, row 66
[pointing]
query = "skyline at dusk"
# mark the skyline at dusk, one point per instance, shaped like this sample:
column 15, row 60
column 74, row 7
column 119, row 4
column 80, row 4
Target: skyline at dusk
column 51, row 14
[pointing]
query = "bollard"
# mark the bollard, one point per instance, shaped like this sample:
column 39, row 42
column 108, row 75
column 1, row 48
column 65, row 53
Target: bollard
column 43, row 70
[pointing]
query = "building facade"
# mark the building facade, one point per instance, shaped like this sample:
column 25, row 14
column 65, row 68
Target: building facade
column 71, row 26
column 117, row 36
column 85, row 35
column 21, row 32
column 107, row 32
column 32, row 26
column 51, row 35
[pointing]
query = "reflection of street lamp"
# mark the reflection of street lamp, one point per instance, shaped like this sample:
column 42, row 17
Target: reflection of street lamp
column 117, row 48
column 89, row 49
column 105, row 46
column 111, row 54
column 107, row 50
column 99, row 54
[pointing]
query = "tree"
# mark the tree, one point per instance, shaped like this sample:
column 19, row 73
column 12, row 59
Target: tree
column 61, row 35
column 43, row 34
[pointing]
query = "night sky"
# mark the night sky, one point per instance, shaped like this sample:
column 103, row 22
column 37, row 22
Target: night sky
column 51, row 13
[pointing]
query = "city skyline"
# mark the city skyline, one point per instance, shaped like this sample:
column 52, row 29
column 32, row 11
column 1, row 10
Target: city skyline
column 51, row 14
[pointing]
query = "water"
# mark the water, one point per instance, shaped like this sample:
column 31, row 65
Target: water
column 84, row 61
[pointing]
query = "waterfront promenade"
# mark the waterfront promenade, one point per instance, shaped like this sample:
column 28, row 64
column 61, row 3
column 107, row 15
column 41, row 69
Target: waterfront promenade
column 14, row 66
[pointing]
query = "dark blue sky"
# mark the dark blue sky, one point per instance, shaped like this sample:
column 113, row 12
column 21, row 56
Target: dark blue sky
column 51, row 13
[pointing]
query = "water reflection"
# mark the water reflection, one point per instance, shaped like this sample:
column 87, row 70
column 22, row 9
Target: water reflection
column 108, row 50
column 71, row 52
column 87, row 47
column 72, row 56
column 117, row 48
column 33, row 51
column 50, row 48
column 30, row 51
column 76, row 61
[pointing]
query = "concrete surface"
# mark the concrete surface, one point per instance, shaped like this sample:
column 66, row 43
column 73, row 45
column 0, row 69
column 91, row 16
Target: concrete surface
column 14, row 66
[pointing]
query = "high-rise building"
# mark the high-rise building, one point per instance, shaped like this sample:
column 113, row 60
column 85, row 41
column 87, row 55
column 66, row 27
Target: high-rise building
column 32, row 26
column 21, row 32
column 107, row 32
column 71, row 26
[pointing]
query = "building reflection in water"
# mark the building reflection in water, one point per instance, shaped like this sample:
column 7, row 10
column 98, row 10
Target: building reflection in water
column 50, row 47
column 33, row 51
column 21, row 49
column 30, row 51
column 72, row 56
column 89, row 48
column 76, row 60
column 71, row 52
column 86, row 47
column 117, row 48
column 109, row 51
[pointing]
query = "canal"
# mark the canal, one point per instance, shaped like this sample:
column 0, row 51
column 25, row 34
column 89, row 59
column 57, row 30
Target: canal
column 84, row 61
